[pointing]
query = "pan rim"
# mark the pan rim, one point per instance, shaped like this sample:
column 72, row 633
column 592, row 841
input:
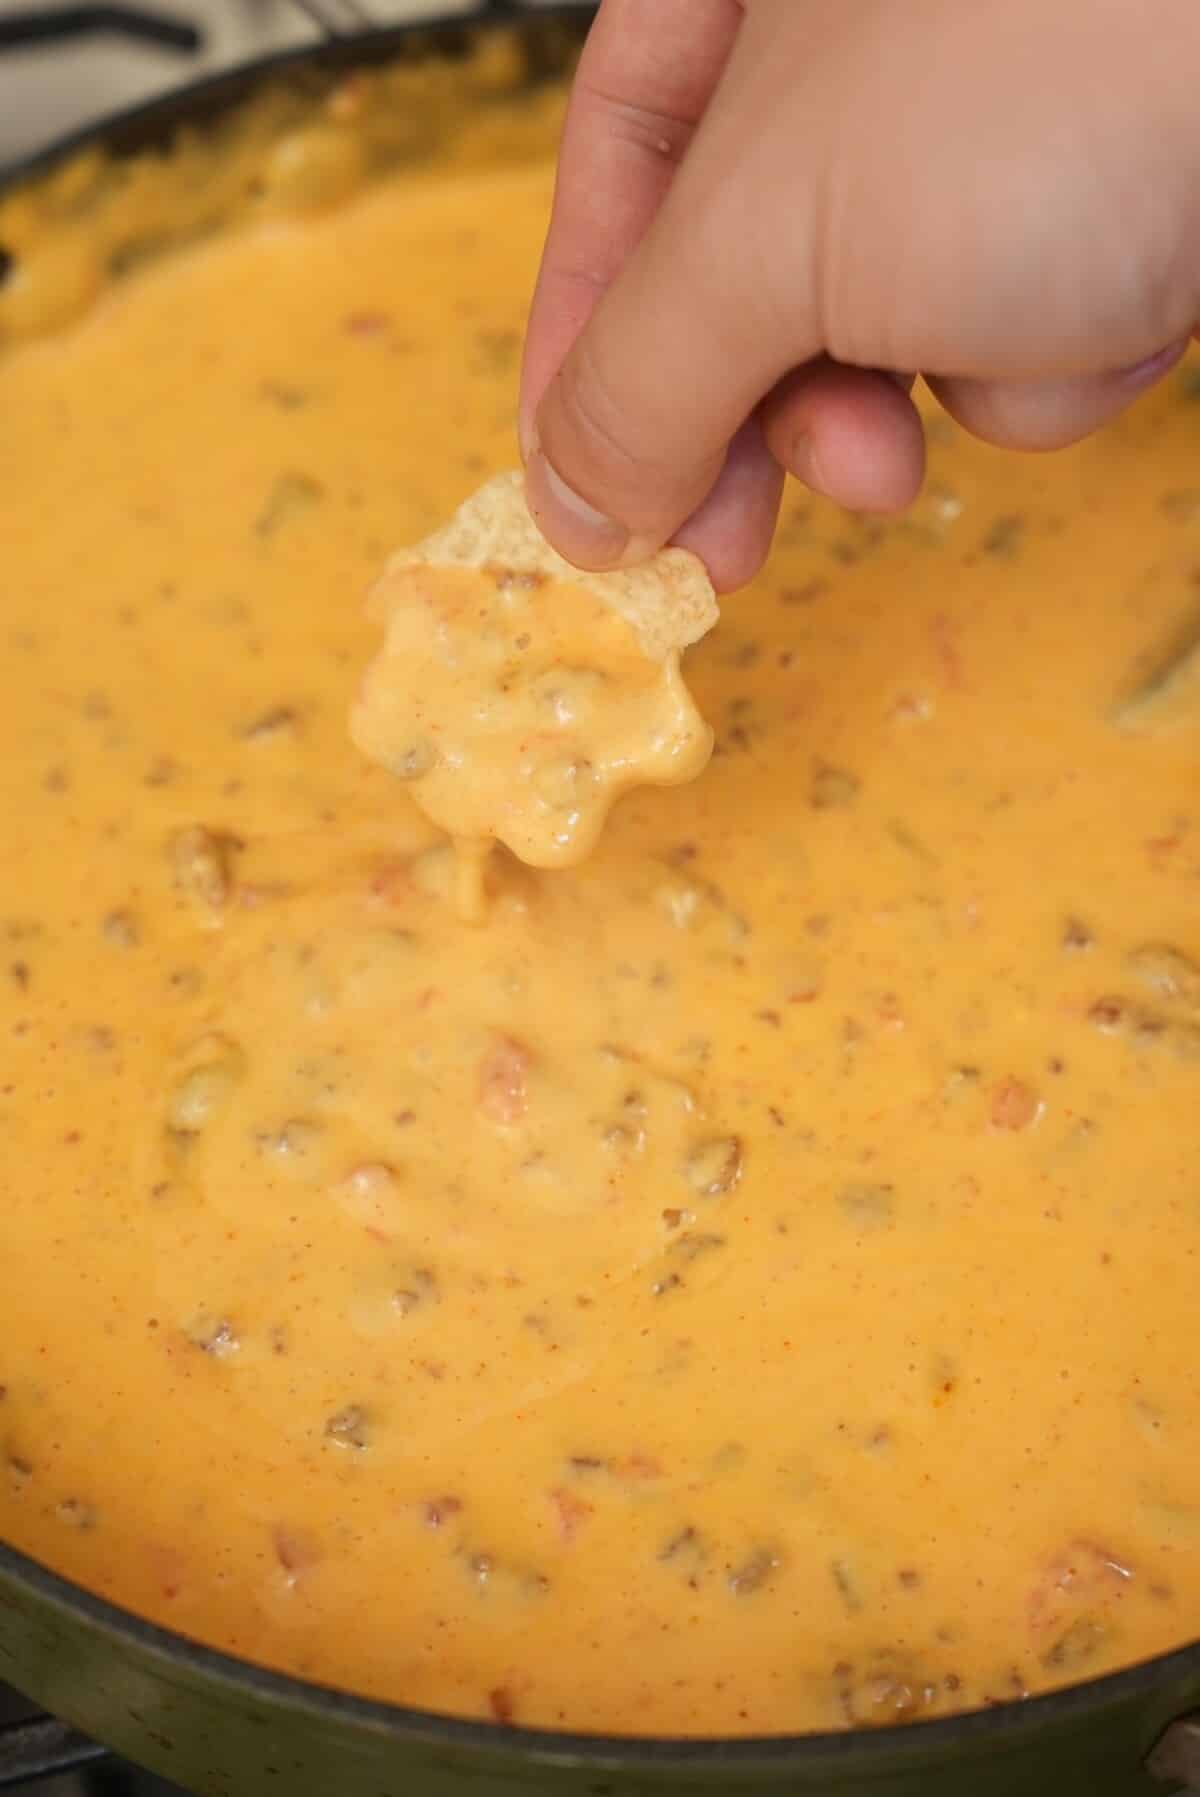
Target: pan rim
column 999, row 1725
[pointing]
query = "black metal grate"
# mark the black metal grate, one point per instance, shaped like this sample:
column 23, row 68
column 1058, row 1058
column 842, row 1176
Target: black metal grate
column 36, row 1750
column 39, row 1748
column 33, row 1746
column 159, row 30
column 169, row 31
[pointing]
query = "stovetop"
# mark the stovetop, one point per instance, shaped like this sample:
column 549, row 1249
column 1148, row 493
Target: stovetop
column 37, row 1752
column 64, row 63
column 107, row 59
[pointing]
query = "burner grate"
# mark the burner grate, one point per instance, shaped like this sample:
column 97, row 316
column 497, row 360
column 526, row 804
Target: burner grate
column 38, row 1747
column 24, row 30
column 39, row 26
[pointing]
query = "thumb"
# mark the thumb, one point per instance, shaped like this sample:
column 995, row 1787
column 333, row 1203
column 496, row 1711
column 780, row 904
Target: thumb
column 633, row 432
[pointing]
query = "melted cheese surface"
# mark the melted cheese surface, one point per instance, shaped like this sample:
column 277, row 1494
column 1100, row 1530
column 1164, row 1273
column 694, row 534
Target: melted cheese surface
column 749, row 1286
column 518, row 710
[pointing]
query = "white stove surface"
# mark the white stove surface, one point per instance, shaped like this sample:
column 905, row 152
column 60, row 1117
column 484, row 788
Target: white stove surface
column 50, row 89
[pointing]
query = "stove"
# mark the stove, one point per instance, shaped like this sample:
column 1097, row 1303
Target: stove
column 64, row 65
column 67, row 62
column 36, row 1751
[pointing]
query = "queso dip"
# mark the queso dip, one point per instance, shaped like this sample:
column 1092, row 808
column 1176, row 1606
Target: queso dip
column 749, row 1284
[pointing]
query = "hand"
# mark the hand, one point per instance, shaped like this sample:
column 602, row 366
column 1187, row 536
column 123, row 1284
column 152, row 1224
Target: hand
column 762, row 204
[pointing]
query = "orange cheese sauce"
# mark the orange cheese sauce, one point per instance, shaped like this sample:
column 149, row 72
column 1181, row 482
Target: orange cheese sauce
column 518, row 709
column 750, row 1285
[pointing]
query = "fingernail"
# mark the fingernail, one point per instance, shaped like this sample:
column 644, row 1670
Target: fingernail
column 805, row 463
column 578, row 531
column 1144, row 374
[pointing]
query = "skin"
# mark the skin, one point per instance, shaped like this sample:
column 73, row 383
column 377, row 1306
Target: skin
column 769, row 214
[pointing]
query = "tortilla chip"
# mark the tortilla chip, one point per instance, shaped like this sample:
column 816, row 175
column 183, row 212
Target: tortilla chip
column 668, row 601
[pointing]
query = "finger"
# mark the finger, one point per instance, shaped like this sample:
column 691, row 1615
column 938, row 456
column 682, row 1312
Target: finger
column 1049, row 414
column 850, row 433
column 645, row 78
column 732, row 530
column 634, row 428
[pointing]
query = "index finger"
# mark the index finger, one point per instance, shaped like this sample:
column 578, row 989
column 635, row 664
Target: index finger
column 647, row 73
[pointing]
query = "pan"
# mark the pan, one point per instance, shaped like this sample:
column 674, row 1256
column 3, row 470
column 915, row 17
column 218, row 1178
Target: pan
column 221, row 1727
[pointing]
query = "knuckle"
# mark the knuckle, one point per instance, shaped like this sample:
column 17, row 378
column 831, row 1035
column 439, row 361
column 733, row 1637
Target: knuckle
column 662, row 136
